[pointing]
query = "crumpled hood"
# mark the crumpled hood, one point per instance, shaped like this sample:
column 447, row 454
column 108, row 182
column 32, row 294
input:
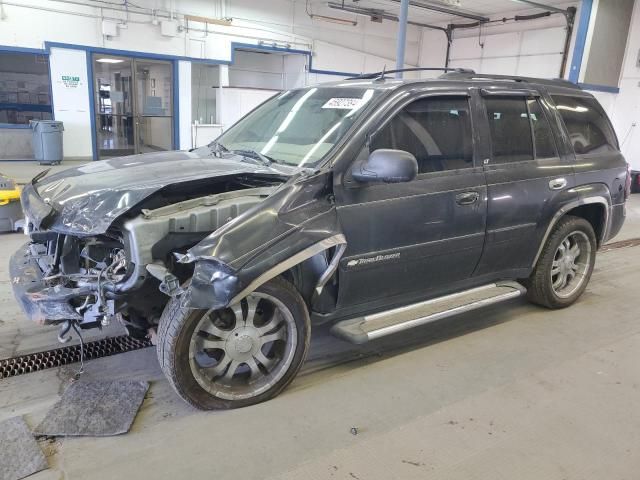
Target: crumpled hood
column 85, row 200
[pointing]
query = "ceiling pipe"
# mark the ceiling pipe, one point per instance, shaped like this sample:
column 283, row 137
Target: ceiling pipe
column 446, row 10
column 371, row 12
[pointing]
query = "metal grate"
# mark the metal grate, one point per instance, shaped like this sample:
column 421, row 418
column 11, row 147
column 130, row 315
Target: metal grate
column 34, row 362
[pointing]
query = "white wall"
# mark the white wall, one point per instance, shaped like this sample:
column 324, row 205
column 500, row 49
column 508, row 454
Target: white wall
column 366, row 46
column 283, row 21
column 184, row 94
column 71, row 100
column 624, row 107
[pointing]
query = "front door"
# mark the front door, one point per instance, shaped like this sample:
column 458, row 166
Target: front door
column 407, row 239
column 525, row 179
column 133, row 105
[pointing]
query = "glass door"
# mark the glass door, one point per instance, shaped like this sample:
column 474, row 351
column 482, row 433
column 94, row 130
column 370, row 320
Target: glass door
column 153, row 106
column 113, row 83
column 134, row 107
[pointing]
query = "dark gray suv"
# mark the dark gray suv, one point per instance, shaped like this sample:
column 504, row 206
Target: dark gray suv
column 374, row 204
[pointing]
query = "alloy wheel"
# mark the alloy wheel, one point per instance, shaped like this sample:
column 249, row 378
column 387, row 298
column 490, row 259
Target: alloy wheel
column 571, row 263
column 241, row 351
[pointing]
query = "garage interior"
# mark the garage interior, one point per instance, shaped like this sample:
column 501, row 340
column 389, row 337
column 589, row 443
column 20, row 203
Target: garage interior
column 509, row 391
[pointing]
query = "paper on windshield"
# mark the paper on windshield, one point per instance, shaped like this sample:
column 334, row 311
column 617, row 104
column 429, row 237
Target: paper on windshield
column 343, row 103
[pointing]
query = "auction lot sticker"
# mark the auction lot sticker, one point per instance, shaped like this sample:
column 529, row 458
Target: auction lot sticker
column 344, row 103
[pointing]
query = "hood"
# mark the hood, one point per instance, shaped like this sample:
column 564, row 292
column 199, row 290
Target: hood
column 85, row 200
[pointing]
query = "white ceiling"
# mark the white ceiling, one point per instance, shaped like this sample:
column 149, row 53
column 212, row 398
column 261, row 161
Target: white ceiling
column 488, row 8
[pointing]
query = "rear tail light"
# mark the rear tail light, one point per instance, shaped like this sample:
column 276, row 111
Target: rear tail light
column 627, row 183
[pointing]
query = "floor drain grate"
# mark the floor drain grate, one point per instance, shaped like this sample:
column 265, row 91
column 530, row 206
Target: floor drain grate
column 34, row 362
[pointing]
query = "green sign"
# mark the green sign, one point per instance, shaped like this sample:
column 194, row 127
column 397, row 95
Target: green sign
column 70, row 81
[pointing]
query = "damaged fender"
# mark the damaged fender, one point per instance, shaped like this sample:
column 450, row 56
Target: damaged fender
column 295, row 223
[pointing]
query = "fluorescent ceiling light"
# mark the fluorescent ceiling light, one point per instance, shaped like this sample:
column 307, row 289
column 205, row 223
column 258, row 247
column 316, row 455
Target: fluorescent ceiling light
column 446, row 10
column 109, row 60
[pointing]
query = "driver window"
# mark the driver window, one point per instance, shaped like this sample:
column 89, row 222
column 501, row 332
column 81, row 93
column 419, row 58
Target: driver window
column 437, row 131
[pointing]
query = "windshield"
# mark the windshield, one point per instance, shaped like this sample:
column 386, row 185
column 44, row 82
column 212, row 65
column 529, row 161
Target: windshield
column 298, row 127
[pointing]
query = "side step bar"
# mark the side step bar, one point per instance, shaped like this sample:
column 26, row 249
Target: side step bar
column 369, row 327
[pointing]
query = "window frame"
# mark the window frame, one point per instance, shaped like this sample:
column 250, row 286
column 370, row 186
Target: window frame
column 401, row 105
column 600, row 109
column 39, row 107
column 524, row 95
column 538, row 99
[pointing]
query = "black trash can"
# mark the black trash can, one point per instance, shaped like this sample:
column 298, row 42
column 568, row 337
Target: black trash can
column 46, row 140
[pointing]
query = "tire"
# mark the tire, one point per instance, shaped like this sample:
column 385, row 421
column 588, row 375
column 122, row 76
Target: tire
column 542, row 285
column 182, row 332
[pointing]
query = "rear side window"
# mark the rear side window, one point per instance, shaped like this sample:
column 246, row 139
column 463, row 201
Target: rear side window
column 437, row 131
column 510, row 129
column 588, row 127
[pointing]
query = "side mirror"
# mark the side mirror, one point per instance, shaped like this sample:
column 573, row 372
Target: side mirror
column 386, row 166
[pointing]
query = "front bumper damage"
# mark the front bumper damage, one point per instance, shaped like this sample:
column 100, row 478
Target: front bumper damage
column 43, row 304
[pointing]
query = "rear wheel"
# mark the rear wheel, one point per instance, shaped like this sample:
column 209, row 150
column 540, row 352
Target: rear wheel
column 237, row 356
column 565, row 264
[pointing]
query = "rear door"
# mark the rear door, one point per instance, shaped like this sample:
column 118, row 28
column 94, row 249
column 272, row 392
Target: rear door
column 525, row 178
column 406, row 239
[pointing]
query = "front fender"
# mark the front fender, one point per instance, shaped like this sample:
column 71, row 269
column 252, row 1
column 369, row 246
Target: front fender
column 296, row 222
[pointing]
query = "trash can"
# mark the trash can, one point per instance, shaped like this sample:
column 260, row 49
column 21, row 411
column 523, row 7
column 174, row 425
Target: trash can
column 10, row 209
column 46, row 140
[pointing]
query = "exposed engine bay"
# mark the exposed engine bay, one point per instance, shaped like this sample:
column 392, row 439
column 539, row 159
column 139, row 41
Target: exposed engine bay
column 90, row 279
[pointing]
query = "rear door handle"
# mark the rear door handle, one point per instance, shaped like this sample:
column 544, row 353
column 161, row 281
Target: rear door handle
column 557, row 183
column 467, row 198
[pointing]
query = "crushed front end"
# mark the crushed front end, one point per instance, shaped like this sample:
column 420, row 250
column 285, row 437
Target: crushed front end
column 57, row 278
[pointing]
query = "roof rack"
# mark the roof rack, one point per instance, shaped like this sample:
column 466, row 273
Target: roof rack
column 380, row 75
column 556, row 82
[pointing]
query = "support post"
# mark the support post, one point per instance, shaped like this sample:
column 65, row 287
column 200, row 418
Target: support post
column 402, row 36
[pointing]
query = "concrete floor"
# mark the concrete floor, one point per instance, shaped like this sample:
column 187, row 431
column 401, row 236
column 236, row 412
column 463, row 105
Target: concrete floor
column 22, row 171
column 513, row 391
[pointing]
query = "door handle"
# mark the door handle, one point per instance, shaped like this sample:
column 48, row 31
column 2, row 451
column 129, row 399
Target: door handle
column 467, row 198
column 557, row 183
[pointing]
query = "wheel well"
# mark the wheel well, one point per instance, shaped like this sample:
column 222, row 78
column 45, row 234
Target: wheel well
column 594, row 213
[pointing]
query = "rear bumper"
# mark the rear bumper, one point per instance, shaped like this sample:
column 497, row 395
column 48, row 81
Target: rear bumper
column 41, row 303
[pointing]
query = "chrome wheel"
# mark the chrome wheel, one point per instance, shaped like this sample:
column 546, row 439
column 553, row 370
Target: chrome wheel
column 571, row 263
column 242, row 351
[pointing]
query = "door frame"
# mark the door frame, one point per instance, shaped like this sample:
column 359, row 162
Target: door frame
column 353, row 152
column 175, row 110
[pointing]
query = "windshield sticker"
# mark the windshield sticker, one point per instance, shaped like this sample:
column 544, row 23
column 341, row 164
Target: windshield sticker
column 343, row 103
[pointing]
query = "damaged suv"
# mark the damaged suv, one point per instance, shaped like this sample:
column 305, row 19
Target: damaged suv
column 374, row 204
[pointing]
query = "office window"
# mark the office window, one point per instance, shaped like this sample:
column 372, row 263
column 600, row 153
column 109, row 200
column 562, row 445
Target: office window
column 510, row 129
column 588, row 126
column 437, row 131
column 25, row 92
column 205, row 80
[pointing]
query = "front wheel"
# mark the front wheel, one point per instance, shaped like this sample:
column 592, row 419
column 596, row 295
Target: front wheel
column 237, row 356
column 565, row 264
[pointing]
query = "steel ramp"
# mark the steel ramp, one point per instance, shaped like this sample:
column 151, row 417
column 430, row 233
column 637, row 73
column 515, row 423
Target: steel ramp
column 369, row 327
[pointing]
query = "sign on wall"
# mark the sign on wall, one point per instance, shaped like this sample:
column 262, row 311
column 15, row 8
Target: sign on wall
column 70, row 81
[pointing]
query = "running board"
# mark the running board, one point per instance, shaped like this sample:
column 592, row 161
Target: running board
column 369, row 327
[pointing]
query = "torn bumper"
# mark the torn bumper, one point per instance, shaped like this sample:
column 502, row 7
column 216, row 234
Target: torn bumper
column 41, row 303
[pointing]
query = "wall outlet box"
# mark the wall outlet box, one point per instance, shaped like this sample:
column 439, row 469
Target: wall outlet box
column 169, row 28
column 109, row 29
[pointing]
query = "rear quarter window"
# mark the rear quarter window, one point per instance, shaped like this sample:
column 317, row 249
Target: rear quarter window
column 588, row 126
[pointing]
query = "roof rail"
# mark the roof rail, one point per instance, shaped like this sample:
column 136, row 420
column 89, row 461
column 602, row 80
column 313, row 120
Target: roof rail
column 556, row 82
column 381, row 74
